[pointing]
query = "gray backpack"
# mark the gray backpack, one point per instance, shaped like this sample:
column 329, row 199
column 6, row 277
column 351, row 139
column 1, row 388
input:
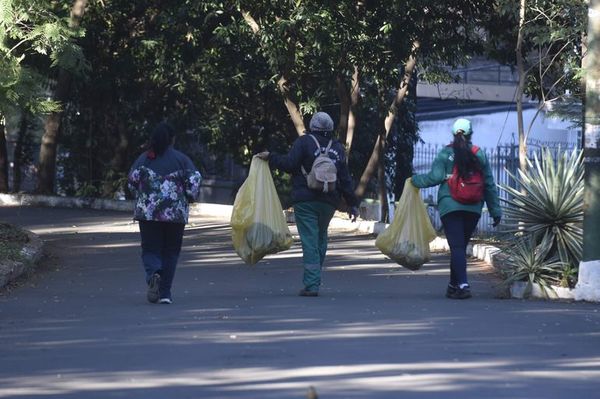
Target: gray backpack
column 323, row 173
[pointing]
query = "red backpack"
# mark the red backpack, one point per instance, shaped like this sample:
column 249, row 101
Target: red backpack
column 467, row 190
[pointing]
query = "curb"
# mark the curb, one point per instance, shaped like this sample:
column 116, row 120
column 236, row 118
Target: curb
column 66, row 202
column 197, row 209
column 31, row 253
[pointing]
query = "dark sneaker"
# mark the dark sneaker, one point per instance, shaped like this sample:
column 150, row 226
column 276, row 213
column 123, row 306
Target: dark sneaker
column 305, row 292
column 153, row 286
column 462, row 292
column 451, row 290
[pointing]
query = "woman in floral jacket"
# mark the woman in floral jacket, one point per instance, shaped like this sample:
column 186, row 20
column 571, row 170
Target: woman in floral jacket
column 164, row 182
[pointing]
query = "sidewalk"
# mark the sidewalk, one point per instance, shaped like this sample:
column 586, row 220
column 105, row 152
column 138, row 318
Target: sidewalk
column 81, row 328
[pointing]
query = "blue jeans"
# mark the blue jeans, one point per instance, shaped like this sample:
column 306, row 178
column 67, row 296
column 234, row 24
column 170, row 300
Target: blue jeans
column 459, row 227
column 161, row 244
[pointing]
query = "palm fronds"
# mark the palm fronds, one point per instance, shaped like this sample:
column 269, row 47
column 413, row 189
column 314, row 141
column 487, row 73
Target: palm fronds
column 549, row 201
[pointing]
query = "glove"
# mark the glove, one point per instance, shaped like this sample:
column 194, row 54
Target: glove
column 353, row 213
column 263, row 155
column 496, row 221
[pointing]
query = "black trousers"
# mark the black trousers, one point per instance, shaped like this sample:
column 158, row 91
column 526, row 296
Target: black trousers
column 459, row 227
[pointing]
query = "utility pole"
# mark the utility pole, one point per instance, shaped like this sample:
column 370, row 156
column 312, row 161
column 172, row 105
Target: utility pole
column 588, row 286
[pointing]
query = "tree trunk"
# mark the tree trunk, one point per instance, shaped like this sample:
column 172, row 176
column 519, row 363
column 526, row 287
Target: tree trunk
column 3, row 160
column 18, row 154
column 47, row 162
column 521, row 89
column 348, row 102
column 381, row 180
column 344, row 96
column 588, row 284
column 354, row 98
column 118, row 162
column 282, row 83
column 291, row 106
column 583, row 86
column 389, row 120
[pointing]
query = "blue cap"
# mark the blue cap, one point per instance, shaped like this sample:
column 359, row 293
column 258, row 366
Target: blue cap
column 464, row 125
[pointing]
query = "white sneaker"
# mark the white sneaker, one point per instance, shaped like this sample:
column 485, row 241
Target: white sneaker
column 166, row 301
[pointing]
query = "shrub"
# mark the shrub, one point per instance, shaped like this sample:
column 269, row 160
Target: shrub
column 548, row 202
column 532, row 262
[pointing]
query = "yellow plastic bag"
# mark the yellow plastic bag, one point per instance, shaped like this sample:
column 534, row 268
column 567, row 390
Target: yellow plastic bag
column 257, row 220
column 407, row 238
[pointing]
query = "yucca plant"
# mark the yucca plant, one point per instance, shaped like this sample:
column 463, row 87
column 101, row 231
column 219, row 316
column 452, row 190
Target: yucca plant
column 549, row 201
column 533, row 263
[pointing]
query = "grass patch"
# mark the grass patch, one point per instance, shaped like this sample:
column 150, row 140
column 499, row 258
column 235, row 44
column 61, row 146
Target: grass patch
column 12, row 240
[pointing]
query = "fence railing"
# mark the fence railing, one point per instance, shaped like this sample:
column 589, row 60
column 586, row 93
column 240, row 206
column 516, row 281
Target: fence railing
column 502, row 159
column 488, row 74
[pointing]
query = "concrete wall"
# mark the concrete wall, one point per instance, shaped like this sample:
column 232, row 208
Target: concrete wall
column 466, row 91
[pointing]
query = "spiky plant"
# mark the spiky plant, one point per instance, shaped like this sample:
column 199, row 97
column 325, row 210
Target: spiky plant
column 549, row 201
column 533, row 263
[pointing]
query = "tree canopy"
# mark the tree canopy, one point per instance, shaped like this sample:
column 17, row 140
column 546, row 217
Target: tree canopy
column 240, row 76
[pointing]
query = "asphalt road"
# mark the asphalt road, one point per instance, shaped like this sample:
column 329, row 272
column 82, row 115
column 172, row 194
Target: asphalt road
column 80, row 328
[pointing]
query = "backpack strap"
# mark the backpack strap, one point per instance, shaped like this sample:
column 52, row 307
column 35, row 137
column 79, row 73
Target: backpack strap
column 328, row 146
column 319, row 148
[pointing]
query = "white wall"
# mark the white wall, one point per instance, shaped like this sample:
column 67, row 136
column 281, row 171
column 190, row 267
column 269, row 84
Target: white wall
column 489, row 130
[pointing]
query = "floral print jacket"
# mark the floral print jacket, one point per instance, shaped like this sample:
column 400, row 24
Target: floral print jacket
column 164, row 186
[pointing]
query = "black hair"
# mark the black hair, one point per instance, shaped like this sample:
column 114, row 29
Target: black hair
column 464, row 159
column 162, row 136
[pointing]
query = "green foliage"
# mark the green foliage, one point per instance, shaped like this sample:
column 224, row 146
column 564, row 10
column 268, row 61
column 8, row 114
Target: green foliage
column 87, row 190
column 533, row 263
column 12, row 240
column 553, row 35
column 568, row 277
column 203, row 66
column 549, row 202
column 313, row 44
column 31, row 31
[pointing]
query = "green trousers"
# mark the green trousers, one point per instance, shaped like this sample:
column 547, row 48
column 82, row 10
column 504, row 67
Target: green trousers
column 312, row 220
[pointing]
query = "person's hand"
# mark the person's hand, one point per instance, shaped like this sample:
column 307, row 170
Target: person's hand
column 353, row 213
column 263, row 155
column 497, row 220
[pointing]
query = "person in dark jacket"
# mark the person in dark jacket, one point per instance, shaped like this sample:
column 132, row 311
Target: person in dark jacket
column 314, row 209
column 163, row 181
column 460, row 220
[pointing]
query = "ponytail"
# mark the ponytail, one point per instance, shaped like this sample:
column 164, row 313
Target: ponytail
column 464, row 159
column 162, row 137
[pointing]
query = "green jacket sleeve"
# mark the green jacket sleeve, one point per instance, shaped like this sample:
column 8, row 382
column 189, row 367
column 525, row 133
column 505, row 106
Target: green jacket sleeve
column 437, row 174
column 491, row 191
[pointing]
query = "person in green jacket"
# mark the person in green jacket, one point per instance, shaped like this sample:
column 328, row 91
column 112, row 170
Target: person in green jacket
column 459, row 219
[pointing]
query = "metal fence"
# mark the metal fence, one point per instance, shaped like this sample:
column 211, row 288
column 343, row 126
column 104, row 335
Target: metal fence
column 502, row 159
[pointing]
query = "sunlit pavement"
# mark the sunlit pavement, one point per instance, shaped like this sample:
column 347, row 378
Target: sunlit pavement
column 81, row 328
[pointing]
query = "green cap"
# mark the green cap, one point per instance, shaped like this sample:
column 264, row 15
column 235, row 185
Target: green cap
column 464, row 125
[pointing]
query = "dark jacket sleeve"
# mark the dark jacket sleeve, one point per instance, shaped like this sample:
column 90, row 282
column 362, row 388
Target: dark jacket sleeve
column 133, row 177
column 193, row 180
column 289, row 162
column 437, row 174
